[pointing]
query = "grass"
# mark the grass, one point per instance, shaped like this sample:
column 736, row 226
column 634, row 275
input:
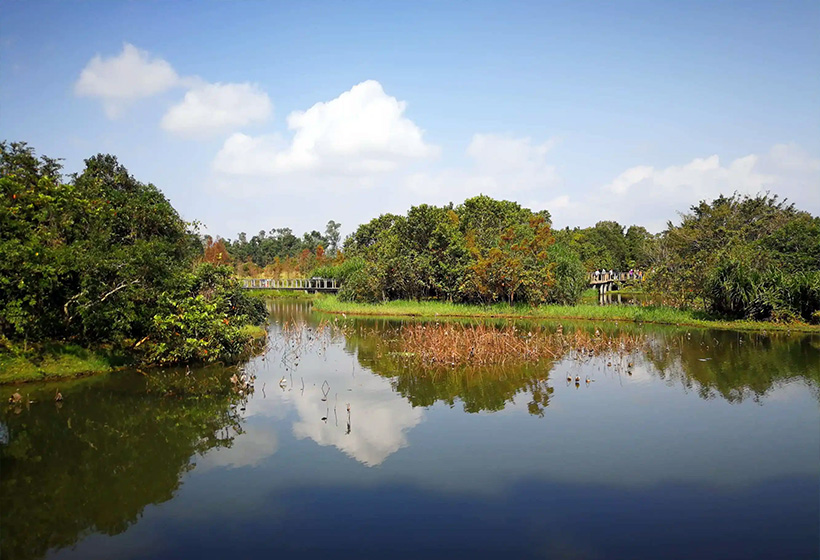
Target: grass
column 55, row 361
column 256, row 332
column 638, row 314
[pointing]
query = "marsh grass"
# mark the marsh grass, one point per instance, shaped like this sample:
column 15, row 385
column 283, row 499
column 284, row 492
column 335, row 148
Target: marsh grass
column 630, row 313
column 454, row 344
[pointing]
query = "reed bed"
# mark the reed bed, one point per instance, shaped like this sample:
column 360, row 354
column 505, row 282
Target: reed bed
column 452, row 344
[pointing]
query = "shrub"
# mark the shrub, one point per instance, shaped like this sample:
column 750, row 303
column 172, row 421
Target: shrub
column 341, row 271
column 203, row 319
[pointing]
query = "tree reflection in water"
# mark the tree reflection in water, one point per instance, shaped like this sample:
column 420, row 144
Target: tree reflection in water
column 115, row 444
column 735, row 366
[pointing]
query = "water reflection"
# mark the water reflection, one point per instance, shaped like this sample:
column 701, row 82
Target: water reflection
column 369, row 425
column 359, row 415
column 698, row 443
column 92, row 462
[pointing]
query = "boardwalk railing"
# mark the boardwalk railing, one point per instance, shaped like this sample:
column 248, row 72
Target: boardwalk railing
column 604, row 280
column 307, row 284
column 614, row 277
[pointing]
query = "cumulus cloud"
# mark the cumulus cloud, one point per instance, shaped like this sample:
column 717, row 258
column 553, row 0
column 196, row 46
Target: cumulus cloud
column 500, row 165
column 377, row 430
column 249, row 449
column 124, row 78
column 212, row 108
column 359, row 133
column 652, row 196
column 701, row 177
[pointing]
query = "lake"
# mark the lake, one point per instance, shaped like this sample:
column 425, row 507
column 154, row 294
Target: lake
column 697, row 444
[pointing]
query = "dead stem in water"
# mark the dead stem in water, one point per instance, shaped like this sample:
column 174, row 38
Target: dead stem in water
column 298, row 338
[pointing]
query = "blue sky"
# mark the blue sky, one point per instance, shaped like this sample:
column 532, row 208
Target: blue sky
column 260, row 115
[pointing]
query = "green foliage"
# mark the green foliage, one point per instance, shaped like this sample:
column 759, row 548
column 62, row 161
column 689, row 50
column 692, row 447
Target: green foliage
column 364, row 285
column 85, row 259
column 341, row 271
column 202, row 318
column 481, row 251
column 97, row 259
column 569, row 275
column 743, row 257
column 280, row 243
column 606, row 246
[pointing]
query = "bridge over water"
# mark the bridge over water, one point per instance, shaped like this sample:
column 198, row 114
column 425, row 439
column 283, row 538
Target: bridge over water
column 603, row 282
column 329, row 285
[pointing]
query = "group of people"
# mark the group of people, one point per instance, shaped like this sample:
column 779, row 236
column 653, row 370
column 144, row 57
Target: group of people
column 611, row 274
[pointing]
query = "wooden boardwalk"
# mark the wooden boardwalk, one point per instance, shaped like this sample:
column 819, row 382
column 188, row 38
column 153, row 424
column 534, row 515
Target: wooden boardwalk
column 604, row 281
column 329, row 285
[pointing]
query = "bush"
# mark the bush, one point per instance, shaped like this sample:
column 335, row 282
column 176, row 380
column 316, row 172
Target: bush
column 341, row 271
column 737, row 289
column 203, row 319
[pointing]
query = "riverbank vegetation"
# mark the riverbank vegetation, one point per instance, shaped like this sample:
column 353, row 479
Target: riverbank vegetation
column 103, row 261
column 454, row 344
column 654, row 314
column 278, row 253
column 737, row 258
column 742, row 257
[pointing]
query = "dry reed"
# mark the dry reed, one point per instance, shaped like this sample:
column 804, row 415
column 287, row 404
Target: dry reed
column 484, row 345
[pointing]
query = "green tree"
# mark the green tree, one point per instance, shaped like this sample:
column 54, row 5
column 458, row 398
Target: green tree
column 743, row 256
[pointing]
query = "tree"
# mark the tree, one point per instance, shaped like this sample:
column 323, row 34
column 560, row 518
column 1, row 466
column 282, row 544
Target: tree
column 742, row 256
column 332, row 235
column 484, row 250
column 94, row 260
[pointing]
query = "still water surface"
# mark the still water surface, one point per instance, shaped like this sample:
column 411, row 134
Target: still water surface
column 706, row 446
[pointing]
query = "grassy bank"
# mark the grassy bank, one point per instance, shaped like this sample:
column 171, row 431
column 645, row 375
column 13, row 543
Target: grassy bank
column 56, row 361
column 637, row 314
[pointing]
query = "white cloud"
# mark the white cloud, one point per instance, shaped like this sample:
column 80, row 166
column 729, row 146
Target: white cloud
column 703, row 177
column 379, row 420
column 792, row 157
column 651, row 196
column 360, row 133
column 128, row 76
column 500, row 165
column 249, row 449
column 212, row 108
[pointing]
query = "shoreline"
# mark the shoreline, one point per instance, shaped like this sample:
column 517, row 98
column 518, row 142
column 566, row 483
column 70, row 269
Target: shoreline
column 65, row 361
column 586, row 312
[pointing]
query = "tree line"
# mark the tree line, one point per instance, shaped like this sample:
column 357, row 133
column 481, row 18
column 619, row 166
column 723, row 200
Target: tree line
column 481, row 251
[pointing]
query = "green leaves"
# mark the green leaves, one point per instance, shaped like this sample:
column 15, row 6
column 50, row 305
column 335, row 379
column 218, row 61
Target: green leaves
column 201, row 318
column 105, row 259
column 744, row 257
column 482, row 251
